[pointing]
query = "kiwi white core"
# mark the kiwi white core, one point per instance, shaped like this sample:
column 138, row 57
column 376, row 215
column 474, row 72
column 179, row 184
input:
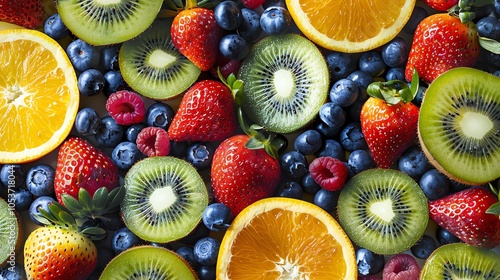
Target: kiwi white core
column 162, row 198
column 107, row 2
column 475, row 125
column 283, row 83
column 383, row 210
column 161, row 59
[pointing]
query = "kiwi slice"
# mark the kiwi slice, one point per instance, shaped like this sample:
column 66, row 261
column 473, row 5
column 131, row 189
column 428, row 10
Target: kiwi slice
column 107, row 22
column 152, row 66
column 147, row 262
column 459, row 125
column 383, row 210
column 164, row 199
column 9, row 233
column 285, row 82
column 461, row 261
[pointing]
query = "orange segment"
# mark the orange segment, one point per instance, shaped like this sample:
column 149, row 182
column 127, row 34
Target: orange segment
column 39, row 95
column 350, row 26
column 284, row 238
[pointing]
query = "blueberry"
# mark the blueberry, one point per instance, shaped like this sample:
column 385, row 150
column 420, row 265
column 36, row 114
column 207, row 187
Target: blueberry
column 445, row 237
column 217, row 216
column 289, row 189
column 41, row 202
column 274, row 3
column 344, row 92
column 308, row 184
column 87, row 121
column 354, row 111
column 23, row 199
column 206, row 250
column 434, row 184
column 186, row 252
column 111, row 221
column 55, row 27
column 457, row 186
column 110, row 133
column 126, row 154
column 418, row 14
column 132, row 131
column 109, row 57
column 395, row 73
column 395, row 53
column 332, row 115
column 275, row 20
column 294, row 164
column 12, row 175
column 159, row 115
column 178, row 148
column 113, row 82
column 372, row 62
column 368, row 262
column 489, row 27
column 250, row 28
column 413, row 162
column 424, row 247
column 351, row 137
column 326, row 199
column 200, row 155
column 15, row 272
column 340, row 65
column 91, row 82
column 82, row 55
column 207, row 272
column 233, row 46
column 360, row 160
column 308, row 142
column 228, row 15
column 331, row 148
column 40, row 179
column 124, row 239
column 362, row 78
column 196, row 234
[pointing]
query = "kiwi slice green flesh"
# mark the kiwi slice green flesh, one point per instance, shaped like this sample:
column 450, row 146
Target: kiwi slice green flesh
column 147, row 262
column 383, row 210
column 152, row 66
column 106, row 22
column 285, row 82
column 461, row 261
column 459, row 125
column 164, row 199
column 9, row 232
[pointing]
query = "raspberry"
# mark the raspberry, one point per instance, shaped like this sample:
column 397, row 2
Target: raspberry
column 126, row 107
column 401, row 267
column 253, row 4
column 153, row 141
column 330, row 173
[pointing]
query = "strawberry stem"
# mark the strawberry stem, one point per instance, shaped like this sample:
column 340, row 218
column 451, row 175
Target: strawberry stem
column 394, row 91
column 259, row 137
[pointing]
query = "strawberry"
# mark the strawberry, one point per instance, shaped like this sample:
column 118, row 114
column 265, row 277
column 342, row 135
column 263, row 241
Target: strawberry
column 196, row 35
column 253, row 4
column 81, row 165
column 389, row 120
column 441, row 5
column 207, row 112
column 26, row 13
column 442, row 42
column 464, row 215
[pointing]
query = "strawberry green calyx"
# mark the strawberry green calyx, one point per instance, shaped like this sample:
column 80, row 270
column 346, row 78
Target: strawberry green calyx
column 495, row 208
column 394, row 91
column 235, row 85
column 171, row 8
column 88, row 207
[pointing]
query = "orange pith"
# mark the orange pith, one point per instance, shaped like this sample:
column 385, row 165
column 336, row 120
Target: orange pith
column 280, row 238
column 39, row 95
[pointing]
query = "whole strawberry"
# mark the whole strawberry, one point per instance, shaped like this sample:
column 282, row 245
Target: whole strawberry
column 441, row 5
column 442, row 42
column 81, row 165
column 196, row 35
column 389, row 120
column 26, row 13
column 464, row 215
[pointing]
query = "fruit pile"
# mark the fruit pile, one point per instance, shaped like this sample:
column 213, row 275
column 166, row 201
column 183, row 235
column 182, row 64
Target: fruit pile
column 252, row 139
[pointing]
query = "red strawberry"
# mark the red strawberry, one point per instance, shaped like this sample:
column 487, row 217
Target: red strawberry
column 27, row 13
column 196, row 35
column 81, row 165
column 464, row 215
column 207, row 112
column 441, row 5
column 442, row 42
column 241, row 176
column 389, row 120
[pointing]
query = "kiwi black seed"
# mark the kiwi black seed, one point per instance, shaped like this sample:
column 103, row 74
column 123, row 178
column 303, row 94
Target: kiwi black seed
column 164, row 199
column 383, row 210
column 147, row 262
column 152, row 66
column 107, row 22
column 286, row 82
column 461, row 261
column 10, row 233
column 459, row 125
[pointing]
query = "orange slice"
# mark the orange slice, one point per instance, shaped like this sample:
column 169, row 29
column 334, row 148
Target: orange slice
column 285, row 238
column 39, row 95
column 350, row 26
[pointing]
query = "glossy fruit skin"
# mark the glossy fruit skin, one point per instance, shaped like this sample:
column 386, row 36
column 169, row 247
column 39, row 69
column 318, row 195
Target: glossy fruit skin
column 55, row 28
column 40, row 179
column 126, row 154
column 200, row 155
column 424, row 247
column 344, row 92
column 160, row 115
column 352, row 138
column 329, row 173
column 87, row 122
column 24, row 13
column 359, row 160
column 333, row 115
column 206, row 250
column 294, row 164
column 369, row 263
column 395, row 53
column 388, row 129
column 440, row 43
column 413, row 162
column 110, row 133
column 207, row 113
column 308, row 142
column 153, row 141
column 22, row 198
column 126, row 107
column 241, row 176
column 290, row 189
column 401, row 266
column 123, row 239
column 275, row 20
column 91, row 82
column 326, row 199
column 12, row 175
column 434, row 184
column 41, row 202
column 217, row 216
column 489, row 27
column 250, row 28
column 228, row 15
column 441, row 5
column 113, row 82
column 47, row 247
column 82, row 55
column 196, row 35
column 81, row 165
column 372, row 62
column 340, row 64
column 464, row 215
